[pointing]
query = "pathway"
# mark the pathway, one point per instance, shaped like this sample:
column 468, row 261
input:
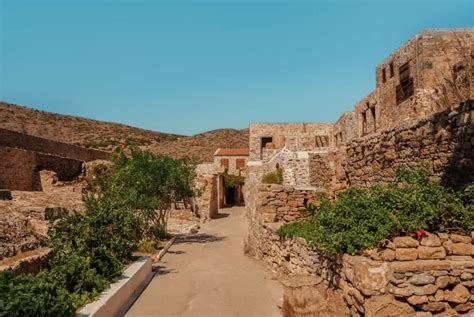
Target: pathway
column 208, row 275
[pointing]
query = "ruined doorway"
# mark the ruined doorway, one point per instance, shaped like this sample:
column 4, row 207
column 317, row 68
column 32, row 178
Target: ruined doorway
column 230, row 196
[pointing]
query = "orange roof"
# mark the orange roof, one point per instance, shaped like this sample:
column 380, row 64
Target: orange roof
column 232, row 152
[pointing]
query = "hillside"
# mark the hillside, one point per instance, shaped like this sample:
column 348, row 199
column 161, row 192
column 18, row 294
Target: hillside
column 107, row 135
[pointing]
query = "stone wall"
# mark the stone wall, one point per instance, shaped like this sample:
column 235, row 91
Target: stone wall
column 14, row 139
column 206, row 204
column 293, row 136
column 283, row 203
column 232, row 169
column 431, row 275
column 444, row 140
column 20, row 168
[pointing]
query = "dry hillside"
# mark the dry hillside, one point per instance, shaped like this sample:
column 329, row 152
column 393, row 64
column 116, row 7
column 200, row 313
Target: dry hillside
column 107, row 135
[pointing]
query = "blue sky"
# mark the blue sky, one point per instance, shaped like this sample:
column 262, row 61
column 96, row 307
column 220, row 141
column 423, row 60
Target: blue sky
column 188, row 66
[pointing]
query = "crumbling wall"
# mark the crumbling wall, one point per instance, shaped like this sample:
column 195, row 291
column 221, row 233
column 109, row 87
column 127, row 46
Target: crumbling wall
column 293, row 136
column 14, row 139
column 443, row 139
column 20, row 168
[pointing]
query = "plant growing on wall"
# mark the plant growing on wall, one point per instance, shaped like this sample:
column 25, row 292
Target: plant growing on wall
column 232, row 181
column 275, row 177
column 361, row 218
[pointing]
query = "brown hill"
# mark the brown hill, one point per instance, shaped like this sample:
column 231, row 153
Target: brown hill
column 107, row 135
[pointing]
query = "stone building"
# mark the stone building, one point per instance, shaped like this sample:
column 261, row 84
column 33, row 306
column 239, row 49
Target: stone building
column 222, row 181
column 429, row 74
column 421, row 110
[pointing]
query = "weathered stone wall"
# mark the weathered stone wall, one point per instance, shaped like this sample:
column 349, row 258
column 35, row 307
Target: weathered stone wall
column 206, row 204
column 293, row 136
column 283, row 203
column 432, row 275
column 433, row 57
column 345, row 129
column 20, row 168
column 443, row 139
column 232, row 170
column 14, row 139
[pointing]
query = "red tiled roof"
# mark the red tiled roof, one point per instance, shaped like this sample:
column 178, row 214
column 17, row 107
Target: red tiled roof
column 232, row 152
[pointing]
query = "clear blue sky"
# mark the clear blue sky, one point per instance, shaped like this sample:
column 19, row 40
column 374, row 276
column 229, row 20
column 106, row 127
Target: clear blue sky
column 188, row 66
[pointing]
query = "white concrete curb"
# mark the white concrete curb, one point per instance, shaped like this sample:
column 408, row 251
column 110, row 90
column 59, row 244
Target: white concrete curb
column 120, row 296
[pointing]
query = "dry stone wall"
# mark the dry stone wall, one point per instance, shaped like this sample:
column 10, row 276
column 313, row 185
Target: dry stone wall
column 19, row 169
column 433, row 275
column 14, row 139
column 444, row 140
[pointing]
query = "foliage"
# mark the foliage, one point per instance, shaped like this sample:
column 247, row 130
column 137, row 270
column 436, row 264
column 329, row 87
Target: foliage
column 361, row 218
column 232, row 181
column 275, row 177
column 90, row 249
column 144, row 182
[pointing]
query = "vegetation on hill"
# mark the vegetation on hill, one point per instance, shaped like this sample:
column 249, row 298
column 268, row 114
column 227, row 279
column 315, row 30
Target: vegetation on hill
column 90, row 249
column 108, row 136
column 361, row 218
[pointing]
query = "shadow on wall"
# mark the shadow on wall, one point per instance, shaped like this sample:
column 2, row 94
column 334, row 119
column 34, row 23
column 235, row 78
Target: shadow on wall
column 459, row 171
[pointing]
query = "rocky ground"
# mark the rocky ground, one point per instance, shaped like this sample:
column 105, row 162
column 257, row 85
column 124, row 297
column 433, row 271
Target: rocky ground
column 22, row 220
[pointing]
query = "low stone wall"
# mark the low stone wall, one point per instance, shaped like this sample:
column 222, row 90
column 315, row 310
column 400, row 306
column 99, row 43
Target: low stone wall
column 19, row 169
column 284, row 203
column 410, row 277
column 14, row 139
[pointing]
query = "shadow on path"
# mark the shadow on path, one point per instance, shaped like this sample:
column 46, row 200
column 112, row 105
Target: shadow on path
column 198, row 238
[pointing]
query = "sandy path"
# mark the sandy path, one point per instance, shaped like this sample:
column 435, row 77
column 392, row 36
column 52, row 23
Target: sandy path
column 208, row 275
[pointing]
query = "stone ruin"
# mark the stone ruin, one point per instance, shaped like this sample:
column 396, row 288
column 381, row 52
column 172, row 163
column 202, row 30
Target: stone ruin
column 421, row 110
column 37, row 176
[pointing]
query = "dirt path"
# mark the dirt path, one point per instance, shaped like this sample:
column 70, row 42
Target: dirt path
column 208, row 275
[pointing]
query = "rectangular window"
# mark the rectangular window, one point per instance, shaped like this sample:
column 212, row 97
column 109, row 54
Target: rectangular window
column 266, row 140
column 364, row 123
column 392, row 72
column 372, row 110
column 322, row 141
column 384, row 76
column 406, row 87
column 240, row 163
column 225, row 163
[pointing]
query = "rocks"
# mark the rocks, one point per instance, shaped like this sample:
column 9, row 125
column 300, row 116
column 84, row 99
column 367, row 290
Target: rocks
column 387, row 305
column 459, row 295
column 405, row 242
column 431, row 240
column 428, row 253
column 421, row 279
column 406, row 254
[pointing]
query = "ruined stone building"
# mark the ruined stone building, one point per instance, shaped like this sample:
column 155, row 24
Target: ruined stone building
column 421, row 111
column 417, row 88
column 23, row 156
column 222, row 181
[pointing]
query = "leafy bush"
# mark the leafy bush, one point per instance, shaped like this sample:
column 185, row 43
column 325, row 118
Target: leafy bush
column 90, row 249
column 361, row 218
column 275, row 177
column 232, row 181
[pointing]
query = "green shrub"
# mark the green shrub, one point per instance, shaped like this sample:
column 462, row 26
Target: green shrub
column 90, row 249
column 275, row 177
column 361, row 218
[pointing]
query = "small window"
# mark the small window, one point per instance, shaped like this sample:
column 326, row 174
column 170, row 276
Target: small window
column 225, row 163
column 322, row 141
column 392, row 72
column 384, row 76
column 364, row 123
column 372, row 110
column 266, row 140
column 239, row 163
column 406, row 87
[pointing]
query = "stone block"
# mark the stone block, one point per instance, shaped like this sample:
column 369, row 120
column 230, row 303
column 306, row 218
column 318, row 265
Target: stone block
column 421, row 279
column 405, row 242
column 387, row 305
column 417, row 300
column 442, row 281
column 431, row 240
column 459, row 295
column 462, row 249
column 406, row 254
column 457, row 238
column 431, row 253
